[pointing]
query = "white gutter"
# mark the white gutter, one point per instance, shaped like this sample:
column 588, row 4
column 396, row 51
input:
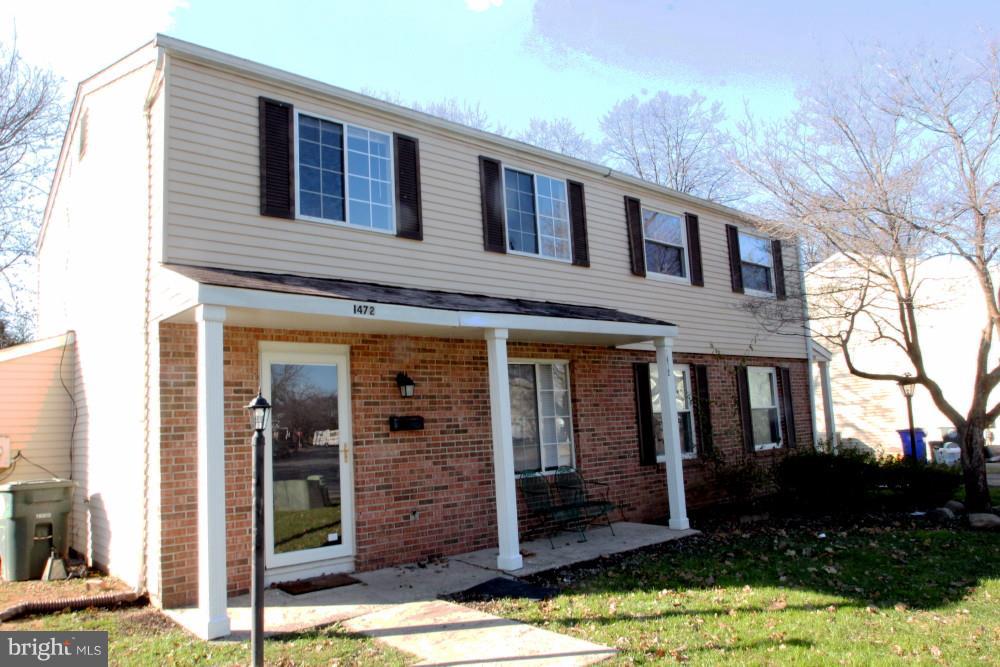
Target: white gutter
column 307, row 304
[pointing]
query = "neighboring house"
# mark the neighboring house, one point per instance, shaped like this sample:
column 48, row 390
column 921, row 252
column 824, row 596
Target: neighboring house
column 216, row 225
column 868, row 413
column 37, row 413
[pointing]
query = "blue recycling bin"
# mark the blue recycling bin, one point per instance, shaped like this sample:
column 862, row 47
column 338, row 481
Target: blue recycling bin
column 909, row 451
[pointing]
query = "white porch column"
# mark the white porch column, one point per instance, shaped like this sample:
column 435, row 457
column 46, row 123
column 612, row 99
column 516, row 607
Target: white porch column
column 827, row 389
column 503, row 451
column 213, row 620
column 671, row 434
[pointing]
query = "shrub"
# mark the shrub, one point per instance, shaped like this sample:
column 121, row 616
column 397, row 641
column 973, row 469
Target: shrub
column 851, row 480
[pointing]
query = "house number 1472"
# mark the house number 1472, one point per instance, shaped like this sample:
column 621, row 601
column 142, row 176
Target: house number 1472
column 364, row 309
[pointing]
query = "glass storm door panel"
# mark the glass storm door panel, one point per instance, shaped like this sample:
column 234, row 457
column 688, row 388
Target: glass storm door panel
column 308, row 505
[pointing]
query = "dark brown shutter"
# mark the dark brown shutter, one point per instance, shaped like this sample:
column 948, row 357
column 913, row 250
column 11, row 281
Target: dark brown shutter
column 702, row 408
column 735, row 266
column 491, row 190
column 694, row 249
column 409, row 219
column 578, row 223
column 779, row 269
column 788, row 414
column 277, row 159
column 743, row 394
column 636, row 249
column 644, row 415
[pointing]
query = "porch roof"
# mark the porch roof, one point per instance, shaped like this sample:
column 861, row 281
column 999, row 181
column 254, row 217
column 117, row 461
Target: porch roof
column 310, row 302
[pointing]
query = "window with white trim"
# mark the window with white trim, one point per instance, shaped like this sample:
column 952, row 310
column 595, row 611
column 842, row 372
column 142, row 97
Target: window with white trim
column 756, row 263
column 541, row 421
column 765, row 414
column 685, row 411
column 665, row 243
column 537, row 214
column 359, row 193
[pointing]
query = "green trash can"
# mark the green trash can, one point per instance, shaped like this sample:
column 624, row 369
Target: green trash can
column 33, row 519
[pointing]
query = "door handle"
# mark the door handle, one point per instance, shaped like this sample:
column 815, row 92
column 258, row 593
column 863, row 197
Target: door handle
column 345, row 450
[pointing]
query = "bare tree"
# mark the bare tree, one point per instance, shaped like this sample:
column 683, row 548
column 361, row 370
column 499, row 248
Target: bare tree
column 470, row 114
column 889, row 168
column 562, row 136
column 673, row 140
column 31, row 122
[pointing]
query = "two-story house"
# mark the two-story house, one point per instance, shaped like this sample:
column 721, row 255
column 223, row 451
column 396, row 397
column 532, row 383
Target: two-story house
column 216, row 226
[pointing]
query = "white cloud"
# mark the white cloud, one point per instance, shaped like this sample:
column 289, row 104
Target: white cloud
column 482, row 5
column 77, row 38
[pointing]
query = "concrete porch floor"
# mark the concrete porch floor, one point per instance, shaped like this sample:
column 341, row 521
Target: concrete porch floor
column 382, row 589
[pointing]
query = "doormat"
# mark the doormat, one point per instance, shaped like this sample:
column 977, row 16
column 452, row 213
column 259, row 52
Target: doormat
column 501, row 587
column 321, row 583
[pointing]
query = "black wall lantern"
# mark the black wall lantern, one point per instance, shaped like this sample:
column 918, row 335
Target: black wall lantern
column 405, row 384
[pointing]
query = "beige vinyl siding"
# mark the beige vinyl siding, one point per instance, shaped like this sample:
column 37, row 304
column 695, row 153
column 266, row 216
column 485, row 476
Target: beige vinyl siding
column 36, row 407
column 92, row 279
column 212, row 218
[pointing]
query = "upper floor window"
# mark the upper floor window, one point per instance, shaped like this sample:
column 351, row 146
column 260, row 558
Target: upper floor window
column 765, row 415
column 361, row 193
column 756, row 263
column 537, row 214
column 541, row 422
column 665, row 243
column 685, row 410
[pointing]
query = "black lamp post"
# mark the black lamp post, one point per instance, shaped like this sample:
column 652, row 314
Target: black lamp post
column 908, row 387
column 258, row 408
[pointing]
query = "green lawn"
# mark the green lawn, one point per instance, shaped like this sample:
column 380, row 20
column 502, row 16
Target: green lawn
column 142, row 636
column 304, row 529
column 858, row 596
column 887, row 591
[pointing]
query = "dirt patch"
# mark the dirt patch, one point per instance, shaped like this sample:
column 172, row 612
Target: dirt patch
column 14, row 592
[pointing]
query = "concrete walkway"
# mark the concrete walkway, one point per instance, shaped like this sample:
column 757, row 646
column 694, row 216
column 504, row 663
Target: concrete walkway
column 443, row 633
column 403, row 602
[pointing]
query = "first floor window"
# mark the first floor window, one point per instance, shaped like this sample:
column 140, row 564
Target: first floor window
column 685, row 411
column 541, row 423
column 345, row 174
column 764, row 414
column 665, row 243
column 537, row 214
column 756, row 263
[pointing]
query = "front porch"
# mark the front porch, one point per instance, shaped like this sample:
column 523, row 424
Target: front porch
column 391, row 586
column 391, row 495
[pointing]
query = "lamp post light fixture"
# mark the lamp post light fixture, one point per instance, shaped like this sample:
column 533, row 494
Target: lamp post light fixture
column 405, row 384
column 908, row 387
column 258, row 409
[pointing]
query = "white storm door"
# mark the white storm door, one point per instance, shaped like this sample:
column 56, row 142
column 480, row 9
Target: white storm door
column 308, row 489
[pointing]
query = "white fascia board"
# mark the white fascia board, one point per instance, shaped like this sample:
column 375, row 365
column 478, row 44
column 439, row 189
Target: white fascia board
column 384, row 312
column 34, row 347
column 565, row 324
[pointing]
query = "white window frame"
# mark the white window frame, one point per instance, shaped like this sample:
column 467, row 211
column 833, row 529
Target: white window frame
column 773, row 374
column 538, row 232
column 538, row 401
column 347, row 177
column 685, row 371
column 685, row 261
column 746, row 290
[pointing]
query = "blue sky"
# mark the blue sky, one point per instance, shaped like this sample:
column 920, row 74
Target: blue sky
column 518, row 58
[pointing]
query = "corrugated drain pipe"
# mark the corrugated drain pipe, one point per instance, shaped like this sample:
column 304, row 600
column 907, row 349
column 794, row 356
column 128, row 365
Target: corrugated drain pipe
column 123, row 599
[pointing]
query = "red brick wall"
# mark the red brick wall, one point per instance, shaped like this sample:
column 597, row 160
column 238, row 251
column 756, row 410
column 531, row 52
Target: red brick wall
column 430, row 492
